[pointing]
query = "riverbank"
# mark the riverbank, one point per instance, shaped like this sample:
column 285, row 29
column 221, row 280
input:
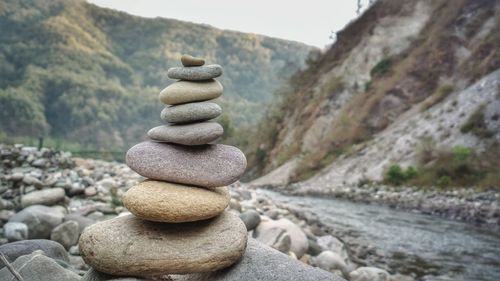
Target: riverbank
column 481, row 208
column 50, row 195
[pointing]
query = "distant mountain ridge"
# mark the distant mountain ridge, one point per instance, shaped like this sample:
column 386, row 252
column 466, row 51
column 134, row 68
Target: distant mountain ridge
column 76, row 72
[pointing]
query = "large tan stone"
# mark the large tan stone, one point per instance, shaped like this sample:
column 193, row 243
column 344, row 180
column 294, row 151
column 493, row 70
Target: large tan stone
column 187, row 91
column 130, row 246
column 170, row 202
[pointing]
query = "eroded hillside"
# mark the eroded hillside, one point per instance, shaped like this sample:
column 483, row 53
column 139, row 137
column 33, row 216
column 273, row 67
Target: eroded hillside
column 398, row 78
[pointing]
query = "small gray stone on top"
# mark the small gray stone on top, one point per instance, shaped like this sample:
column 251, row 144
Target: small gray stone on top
column 195, row 73
column 191, row 112
column 188, row 60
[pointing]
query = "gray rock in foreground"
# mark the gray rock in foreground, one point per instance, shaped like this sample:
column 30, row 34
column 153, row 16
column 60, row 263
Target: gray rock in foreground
column 261, row 262
column 38, row 267
column 50, row 248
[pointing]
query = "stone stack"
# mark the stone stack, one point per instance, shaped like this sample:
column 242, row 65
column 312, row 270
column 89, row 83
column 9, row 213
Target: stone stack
column 178, row 223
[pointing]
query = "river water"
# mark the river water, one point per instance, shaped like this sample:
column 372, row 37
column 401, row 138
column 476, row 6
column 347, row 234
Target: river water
column 444, row 249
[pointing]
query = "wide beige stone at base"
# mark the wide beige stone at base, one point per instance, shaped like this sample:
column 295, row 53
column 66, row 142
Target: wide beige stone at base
column 130, row 246
column 170, row 202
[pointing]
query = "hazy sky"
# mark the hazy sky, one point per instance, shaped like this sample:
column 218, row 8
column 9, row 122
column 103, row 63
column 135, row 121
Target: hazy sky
column 307, row 21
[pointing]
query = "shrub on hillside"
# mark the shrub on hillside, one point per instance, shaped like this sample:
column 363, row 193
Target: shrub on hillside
column 396, row 175
column 381, row 68
column 476, row 125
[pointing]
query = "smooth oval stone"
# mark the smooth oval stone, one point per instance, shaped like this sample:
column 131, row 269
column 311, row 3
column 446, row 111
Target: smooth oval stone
column 170, row 202
column 188, row 134
column 188, row 60
column 186, row 91
column 130, row 246
column 210, row 165
column 191, row 112
column 195, row 73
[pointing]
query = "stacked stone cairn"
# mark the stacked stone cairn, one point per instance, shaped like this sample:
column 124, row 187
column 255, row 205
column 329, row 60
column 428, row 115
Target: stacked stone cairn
column 178, row 223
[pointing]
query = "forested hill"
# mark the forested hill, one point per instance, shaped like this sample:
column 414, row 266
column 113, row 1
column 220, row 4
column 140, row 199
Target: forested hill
column 80, row 73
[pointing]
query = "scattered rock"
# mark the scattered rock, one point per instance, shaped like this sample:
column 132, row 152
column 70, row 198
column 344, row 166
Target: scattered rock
column 235, row 205
column 269, row 228
column 51, row 249
column 331, row 261
column 328, row 242
column 46, row 197
column 168, row 202
column 206, row 166
column 66, row 234
column 130, row 246
column 82, row 221
column 38, row 267
column 30, row 180
column 187, row 134
column 369, row 274
column 186, row 91
column 90, row 191
column 275, row 237
column 15, row 231
column 39, row 219
column 195, row 73
column 250, row 218
column 191, row 112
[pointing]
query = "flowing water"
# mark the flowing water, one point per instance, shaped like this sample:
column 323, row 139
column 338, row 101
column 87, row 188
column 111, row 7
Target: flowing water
column 444, row 249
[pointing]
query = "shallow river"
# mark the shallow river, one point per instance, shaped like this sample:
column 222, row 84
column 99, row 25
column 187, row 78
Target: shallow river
column 445, row 249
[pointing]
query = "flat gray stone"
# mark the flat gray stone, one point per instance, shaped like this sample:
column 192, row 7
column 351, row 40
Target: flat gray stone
column 51, row 249
column 38, row 267
column 195, row 73
column 129, row 246
column 186, row 91
column 187, row 134
column 191, row 112
column 46, row 197
column 261, row 262
column 211, row 165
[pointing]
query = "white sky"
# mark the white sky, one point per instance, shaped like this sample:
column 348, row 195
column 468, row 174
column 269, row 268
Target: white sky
column 309, row 21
